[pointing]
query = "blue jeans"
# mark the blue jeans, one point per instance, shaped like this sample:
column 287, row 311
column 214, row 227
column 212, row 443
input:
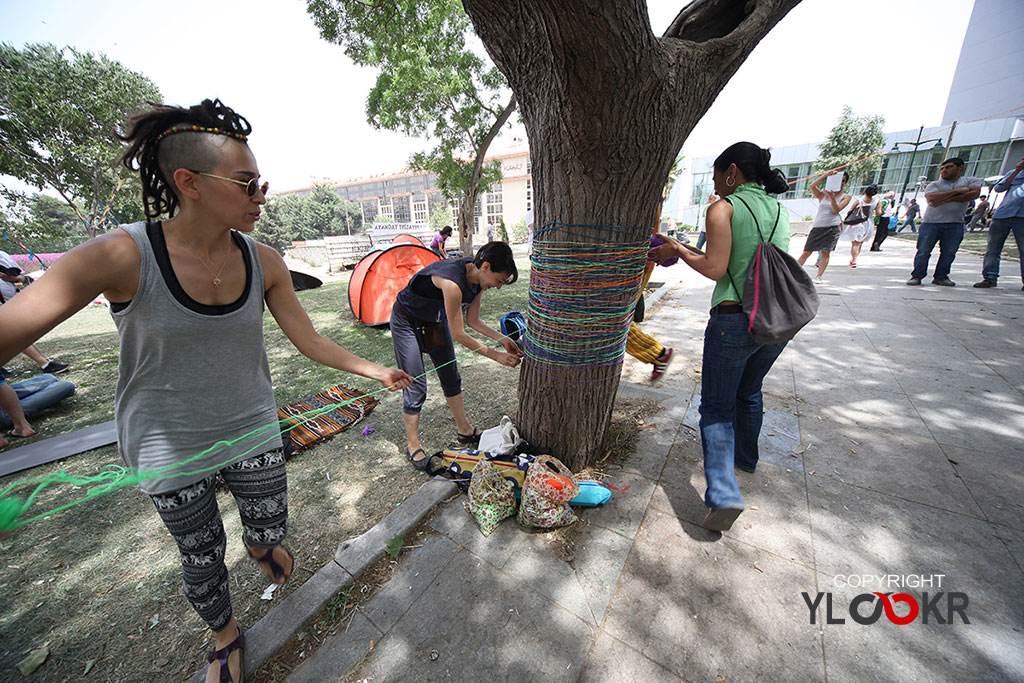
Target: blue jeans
column 733, row 370
column 701, row 239
column 905, row 223
column 37, row 394
column 998, row 231
column 948, row 236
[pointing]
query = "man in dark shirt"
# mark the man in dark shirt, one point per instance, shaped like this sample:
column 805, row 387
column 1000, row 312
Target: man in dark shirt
column 912, row 210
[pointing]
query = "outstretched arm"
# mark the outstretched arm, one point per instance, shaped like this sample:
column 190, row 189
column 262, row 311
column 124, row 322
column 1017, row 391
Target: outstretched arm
column 296, row 325
column 107, row 264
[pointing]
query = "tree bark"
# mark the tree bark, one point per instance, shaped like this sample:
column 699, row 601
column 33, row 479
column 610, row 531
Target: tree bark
column 607, row 106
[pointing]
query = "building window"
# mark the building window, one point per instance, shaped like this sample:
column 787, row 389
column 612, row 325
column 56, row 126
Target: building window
column 385, row 210
column 401, row 209
column 419, row 211
column 494, row 210
column 369, row 210
column 529, row 192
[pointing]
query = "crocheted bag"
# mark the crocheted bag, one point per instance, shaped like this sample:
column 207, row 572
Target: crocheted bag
column 491, row 497
column 548, row 488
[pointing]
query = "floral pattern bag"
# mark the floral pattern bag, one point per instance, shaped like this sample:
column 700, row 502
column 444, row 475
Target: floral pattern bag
column 548, row 488
column 491, row 497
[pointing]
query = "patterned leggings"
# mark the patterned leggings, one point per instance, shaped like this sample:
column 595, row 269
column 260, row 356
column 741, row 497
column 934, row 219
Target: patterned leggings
column 193, row 518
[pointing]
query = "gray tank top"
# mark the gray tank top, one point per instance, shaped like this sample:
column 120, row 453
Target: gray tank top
column 825, row 216
column 190, row 376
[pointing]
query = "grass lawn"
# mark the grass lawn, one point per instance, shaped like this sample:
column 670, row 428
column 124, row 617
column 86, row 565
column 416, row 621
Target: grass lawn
column 100, row 582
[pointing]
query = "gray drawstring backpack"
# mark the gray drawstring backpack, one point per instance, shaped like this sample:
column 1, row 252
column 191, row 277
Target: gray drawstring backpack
column 778, row 296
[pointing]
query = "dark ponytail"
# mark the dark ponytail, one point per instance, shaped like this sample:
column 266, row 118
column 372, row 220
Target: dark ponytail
column 499, row 255
column 755, row 165
column 157, row 160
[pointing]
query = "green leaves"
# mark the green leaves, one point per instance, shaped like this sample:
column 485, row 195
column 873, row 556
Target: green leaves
column 394, row 546
column 307, row 217
column 853, row 137
column 429, row 82
column 60, row 112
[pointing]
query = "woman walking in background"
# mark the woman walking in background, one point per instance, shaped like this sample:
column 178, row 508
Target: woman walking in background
column 858, row 226
column 824, row 235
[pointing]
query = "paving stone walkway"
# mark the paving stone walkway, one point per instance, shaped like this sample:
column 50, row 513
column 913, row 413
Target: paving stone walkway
column 893, row 445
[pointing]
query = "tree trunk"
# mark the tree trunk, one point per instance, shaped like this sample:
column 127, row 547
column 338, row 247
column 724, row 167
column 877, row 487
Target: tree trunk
column 607, row 105
column 466, row 220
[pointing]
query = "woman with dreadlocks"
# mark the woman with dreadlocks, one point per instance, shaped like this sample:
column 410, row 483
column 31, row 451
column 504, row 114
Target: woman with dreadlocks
column 194, row 396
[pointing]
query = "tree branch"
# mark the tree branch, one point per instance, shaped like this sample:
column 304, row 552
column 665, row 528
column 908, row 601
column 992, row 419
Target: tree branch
column 712, row 38
column 478, row 165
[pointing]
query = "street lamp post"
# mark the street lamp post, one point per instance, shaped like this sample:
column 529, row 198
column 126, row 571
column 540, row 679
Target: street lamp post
column 910, row 166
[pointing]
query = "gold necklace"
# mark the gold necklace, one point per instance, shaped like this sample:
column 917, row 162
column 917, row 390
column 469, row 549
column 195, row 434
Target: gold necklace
column 216, row 276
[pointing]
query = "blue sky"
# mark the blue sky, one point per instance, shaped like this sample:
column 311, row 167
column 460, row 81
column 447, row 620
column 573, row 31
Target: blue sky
column 306, row 100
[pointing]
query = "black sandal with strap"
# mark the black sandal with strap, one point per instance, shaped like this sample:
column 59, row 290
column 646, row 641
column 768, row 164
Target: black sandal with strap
column 470, row 438
column 431, row 464
column 222, row 655
column 268, row 558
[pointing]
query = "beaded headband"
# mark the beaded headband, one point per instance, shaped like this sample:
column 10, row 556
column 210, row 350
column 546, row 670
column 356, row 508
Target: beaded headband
column 199, row 129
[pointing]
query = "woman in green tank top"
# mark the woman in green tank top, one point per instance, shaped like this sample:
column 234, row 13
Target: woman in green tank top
column 733, row 366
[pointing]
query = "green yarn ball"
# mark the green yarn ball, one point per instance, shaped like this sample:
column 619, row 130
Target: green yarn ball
column 10, row 510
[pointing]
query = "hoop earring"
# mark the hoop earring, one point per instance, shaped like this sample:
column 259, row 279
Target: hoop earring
column 730, row 182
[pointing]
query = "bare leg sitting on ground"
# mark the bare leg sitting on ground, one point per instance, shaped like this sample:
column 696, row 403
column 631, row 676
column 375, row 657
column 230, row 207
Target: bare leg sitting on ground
column 10, row 405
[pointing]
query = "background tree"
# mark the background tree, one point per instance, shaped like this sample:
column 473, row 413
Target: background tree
column 853, row 137
column 311, row 216
column 440, row 218
column 44, row 224
column 607, row 106
column 60, row 110
column 429, row 83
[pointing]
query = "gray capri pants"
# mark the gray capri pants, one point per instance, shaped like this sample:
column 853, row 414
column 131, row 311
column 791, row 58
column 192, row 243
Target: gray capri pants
column 409, row 349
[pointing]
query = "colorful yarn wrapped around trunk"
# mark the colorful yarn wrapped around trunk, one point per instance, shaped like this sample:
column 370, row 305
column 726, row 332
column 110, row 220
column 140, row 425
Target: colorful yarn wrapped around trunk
column 582, row 296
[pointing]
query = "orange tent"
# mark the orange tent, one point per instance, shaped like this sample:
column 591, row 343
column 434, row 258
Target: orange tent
column 380, row 276
column 407, row 239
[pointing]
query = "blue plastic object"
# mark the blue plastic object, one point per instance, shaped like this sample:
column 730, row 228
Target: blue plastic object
column 513, row 325
column 592, row 494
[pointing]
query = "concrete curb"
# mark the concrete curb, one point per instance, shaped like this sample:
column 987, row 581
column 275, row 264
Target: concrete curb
column 264, row 638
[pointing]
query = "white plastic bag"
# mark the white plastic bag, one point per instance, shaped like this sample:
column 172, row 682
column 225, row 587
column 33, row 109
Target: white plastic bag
column 499, row 440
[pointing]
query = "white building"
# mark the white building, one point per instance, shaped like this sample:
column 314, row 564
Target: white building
column 411, row 197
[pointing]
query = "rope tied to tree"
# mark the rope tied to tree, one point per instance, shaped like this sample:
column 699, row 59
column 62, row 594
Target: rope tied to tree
column 582, row 297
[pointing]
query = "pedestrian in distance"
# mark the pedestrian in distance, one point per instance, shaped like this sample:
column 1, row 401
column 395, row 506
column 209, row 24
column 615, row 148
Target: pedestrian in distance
column 913, row 209
column 858, row 223
column 437, row 243
column 943, row 222
column 885, row 221
column 824, row 234
column 977, row 219
column 1008, row 217
column 194, row 396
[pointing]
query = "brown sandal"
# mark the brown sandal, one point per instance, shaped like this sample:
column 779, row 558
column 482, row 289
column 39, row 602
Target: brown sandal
column 222, row 655
column 268, row 558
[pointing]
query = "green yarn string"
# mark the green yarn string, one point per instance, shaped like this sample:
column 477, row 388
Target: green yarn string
column 116, row 477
